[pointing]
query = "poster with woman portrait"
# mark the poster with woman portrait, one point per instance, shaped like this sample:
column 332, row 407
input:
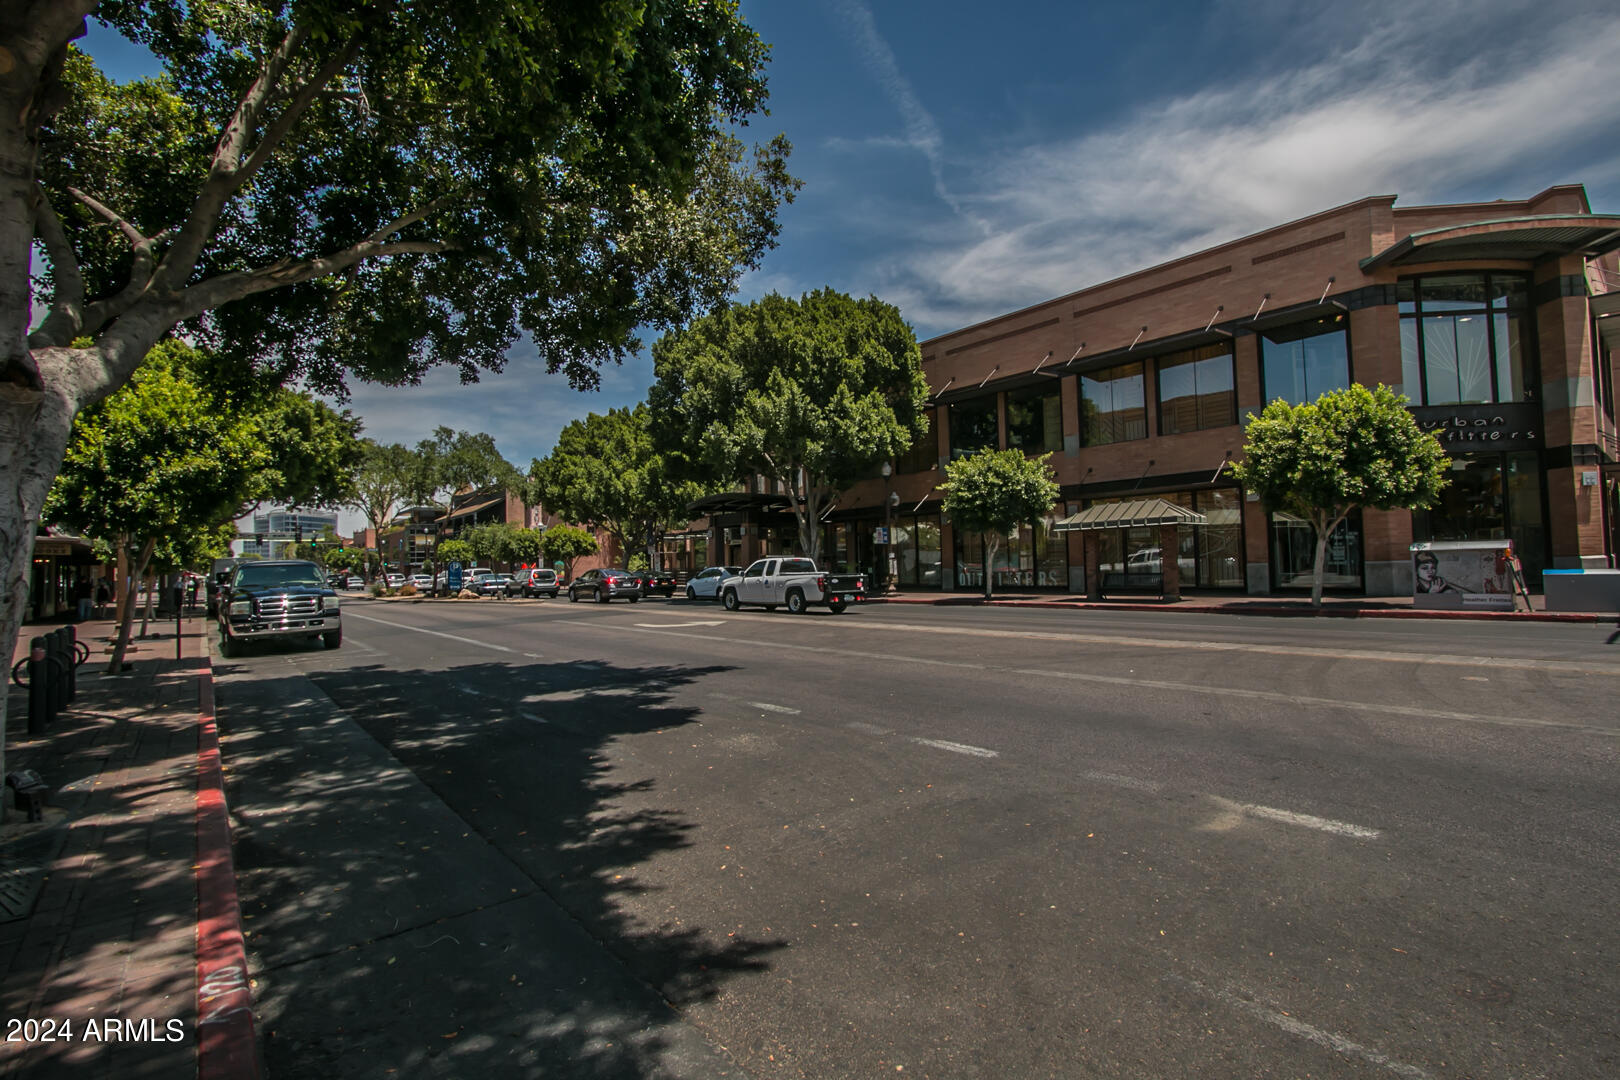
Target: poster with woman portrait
column 1476, row 576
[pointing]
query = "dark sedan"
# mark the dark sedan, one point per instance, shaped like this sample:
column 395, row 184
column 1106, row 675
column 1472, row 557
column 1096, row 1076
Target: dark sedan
column 655, row 582
column 605, row 585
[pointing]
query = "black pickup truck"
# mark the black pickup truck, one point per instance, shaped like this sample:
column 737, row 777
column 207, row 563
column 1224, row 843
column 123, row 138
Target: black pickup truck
column 279, row 599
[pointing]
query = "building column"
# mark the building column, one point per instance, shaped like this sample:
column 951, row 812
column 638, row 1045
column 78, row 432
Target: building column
column 1169, row 561
column 1092, row 543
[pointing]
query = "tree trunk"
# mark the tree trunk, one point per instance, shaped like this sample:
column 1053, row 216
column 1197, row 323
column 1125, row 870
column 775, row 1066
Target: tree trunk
column 146, row 609
column 127, row 623
column 1322, row 530
column 34, row 428
column 989, row 550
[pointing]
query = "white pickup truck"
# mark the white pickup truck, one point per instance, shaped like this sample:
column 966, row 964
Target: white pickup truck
column 792, row 583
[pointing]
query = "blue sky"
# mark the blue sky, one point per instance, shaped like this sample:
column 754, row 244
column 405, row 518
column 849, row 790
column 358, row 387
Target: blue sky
column 962, row 159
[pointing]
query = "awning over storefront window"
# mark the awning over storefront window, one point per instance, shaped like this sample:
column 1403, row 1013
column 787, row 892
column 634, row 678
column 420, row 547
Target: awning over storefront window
column 473, row 509
column 1124, row 515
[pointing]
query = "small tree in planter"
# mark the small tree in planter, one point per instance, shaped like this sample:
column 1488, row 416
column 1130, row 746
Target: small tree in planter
column 1348, row 449
column 564, row 544
column 993, row 492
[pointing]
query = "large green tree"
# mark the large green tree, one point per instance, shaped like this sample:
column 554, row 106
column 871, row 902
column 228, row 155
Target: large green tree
column 566, row 543
column 1346, row 450
column 606, row 471
column 381, row 479
column 811, row 393
column 350, row 188
column 161, row 466
column 993, row 492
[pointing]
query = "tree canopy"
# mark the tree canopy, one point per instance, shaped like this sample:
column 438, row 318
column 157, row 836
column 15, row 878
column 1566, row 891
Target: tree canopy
column 811, row 393
column 565, row 543
column 380, row 481
column 606, row 470
column 993, row 492
column 1346, row 450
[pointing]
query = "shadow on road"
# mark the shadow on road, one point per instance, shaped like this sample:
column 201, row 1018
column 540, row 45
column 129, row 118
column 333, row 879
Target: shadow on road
column 363, row 896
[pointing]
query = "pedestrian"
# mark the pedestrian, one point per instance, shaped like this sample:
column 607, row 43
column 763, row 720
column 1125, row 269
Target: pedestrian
column 103, row 597
column 83, row 593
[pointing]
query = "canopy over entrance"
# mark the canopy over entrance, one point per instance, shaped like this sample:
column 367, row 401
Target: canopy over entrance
column 1124, row 515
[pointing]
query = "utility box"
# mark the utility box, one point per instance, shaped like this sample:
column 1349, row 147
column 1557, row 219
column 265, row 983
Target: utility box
column 1463, row 575
column 1581, row 590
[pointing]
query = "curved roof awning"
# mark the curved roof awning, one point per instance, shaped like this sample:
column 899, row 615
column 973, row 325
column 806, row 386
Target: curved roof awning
column 1123, row 515
column 734, row 501
column 1526, row 238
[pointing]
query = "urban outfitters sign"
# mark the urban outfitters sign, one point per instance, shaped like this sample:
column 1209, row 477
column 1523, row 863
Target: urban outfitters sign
column 1461, row 428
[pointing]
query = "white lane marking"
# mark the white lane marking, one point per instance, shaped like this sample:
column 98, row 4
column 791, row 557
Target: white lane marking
column 676, row 625
column 954, row 747
column 870, row 729
column 768, row 707
column 867, row 656
column 1289, row 817
column 1116, row 780
column 536, row 719
column 435, row 633
column 1244, row 1002
column 471, row 691
column 363, row 647
column 532, row 655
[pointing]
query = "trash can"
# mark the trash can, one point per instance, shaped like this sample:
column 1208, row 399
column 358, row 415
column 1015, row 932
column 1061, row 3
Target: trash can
column 1458, row 575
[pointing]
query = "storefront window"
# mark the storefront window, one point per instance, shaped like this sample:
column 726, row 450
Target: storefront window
column 1032, row 557
column 917, row 551
column 1303, row 361
column 1196, row 390
column 1034, row 420
column 1293, row 554
column 1464, row 339
column 973, row 426
column 1491, row 497
column 1112, row 404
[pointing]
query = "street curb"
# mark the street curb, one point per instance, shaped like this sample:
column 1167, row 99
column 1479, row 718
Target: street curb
column 1275, row 610
column 226, row 1045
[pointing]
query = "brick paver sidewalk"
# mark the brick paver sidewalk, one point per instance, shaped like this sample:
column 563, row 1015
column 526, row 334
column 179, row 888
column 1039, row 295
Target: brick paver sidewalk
column 111, row 945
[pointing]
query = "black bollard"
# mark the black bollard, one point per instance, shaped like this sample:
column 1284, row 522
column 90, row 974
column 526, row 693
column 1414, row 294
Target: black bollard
column 71, row 637
column 52, row 670
column 38, row 687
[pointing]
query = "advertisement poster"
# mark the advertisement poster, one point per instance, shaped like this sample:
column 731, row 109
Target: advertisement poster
column 1463, row 576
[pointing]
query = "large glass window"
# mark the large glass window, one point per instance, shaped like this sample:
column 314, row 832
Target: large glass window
column 1208, row 556
column 1112, row 402
column 1196, row 390
column 1464, row 339
column 916, row 550
column 1293, row 554
column 1032, row 557
column 973, row 426
column 1302, row 361
column 1491, row 497
column 1035, row 419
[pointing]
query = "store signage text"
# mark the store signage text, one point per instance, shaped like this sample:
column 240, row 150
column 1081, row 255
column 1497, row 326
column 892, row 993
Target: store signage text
column 1482, row 427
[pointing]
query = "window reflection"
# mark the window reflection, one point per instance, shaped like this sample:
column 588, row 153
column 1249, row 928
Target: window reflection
column 1463, row 339
column 1113, row 403
column 1302, row 361
column 973, row 426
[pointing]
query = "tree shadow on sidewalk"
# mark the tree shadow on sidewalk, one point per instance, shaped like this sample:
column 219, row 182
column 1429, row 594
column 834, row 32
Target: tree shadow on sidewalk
column 387, row 930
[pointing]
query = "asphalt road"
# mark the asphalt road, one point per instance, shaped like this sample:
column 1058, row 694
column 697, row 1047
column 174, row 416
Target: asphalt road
column 977, row 842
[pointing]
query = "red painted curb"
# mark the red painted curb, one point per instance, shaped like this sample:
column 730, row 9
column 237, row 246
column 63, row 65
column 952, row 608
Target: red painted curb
column 226, row 1045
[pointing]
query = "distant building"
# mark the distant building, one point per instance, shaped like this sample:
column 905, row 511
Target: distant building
column 278, row 530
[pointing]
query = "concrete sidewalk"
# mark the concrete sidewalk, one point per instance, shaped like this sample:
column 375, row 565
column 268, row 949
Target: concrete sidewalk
column 120, row 916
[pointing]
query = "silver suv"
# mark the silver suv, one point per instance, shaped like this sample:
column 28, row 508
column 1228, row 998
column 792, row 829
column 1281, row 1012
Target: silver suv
column 536, row 582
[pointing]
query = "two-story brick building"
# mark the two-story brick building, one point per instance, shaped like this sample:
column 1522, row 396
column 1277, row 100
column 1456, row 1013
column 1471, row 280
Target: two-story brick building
column 1497, row 320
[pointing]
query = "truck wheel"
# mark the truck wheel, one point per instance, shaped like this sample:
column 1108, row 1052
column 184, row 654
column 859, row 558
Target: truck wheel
column 333, row 640
column 795, row 603
column 730, row 600
column 837, row 607
column 227, row 646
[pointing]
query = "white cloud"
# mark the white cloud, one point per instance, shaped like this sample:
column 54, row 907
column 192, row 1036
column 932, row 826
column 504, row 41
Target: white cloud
column 1385, row 116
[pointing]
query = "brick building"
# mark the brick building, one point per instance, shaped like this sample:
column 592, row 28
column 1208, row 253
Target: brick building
column 1498, row 320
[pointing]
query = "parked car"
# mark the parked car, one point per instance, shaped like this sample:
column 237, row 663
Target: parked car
column 604, row 585
column 494, row 585
column 538, row 583
column 395, row 581
column 655, row 582
column 793, row 583
column 277, row 599
column 423, row 582
column 705, row 584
